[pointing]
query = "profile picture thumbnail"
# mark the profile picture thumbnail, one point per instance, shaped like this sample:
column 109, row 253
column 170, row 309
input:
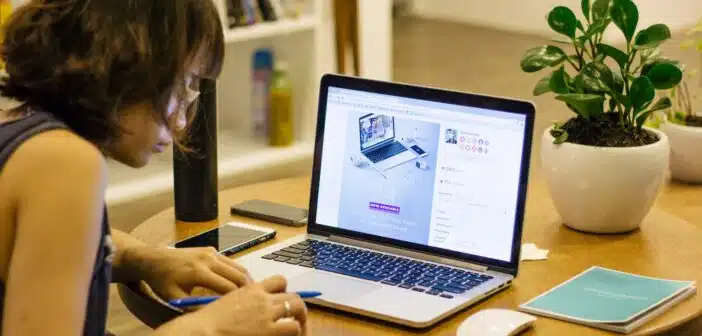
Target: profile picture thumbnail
column 451, row 136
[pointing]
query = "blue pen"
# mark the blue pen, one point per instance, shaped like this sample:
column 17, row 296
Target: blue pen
column 201, row 300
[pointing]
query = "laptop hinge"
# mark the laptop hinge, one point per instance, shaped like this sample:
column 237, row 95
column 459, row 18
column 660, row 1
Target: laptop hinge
column 407, row 253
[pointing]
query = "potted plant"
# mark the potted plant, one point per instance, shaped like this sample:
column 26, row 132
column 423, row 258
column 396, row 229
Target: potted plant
column 603, row 168
column 683, row 121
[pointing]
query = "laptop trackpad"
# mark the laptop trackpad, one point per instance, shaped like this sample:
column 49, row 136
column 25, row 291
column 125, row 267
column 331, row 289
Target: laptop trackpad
column 334, row 288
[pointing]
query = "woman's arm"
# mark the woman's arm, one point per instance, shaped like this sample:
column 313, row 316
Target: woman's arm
column 174, row 273
column 125, row 265
column 59, row 181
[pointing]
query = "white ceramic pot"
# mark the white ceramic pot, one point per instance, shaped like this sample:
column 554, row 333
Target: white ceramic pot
column 685, row 151
column 602, row 189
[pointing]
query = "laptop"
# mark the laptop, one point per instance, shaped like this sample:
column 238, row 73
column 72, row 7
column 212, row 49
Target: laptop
column 378, row 144
column 430, row 238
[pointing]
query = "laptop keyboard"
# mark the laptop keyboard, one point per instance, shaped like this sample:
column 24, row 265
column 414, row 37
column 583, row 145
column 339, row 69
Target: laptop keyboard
column 385, row 152
column 390, row 270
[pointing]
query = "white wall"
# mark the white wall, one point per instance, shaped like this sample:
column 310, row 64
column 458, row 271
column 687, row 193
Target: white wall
column 375, row 38
column 529, row 16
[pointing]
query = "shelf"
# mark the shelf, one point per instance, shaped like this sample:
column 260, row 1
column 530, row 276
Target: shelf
column 269, row 29
column 236, row 156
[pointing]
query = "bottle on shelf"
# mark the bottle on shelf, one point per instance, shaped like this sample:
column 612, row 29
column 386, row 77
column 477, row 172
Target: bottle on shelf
column 292, row 8
column 242, row 13
column 5, row 11
column 261, row 81
column 280, row 126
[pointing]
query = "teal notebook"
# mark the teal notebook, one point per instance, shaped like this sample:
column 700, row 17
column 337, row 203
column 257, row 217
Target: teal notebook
column 610, row 299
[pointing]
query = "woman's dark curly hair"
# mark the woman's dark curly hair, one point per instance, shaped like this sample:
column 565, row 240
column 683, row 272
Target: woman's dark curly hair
column 85, row 60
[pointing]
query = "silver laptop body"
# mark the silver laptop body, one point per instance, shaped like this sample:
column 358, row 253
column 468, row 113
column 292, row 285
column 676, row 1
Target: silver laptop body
column 417, row 243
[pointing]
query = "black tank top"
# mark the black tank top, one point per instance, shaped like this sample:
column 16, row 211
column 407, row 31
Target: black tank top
column 12, row 135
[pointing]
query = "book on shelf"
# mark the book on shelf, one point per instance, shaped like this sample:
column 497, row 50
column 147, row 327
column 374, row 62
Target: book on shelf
column 254, row 10
column 235, row 14
column 277, row 8
column 248, row 12
column 610, row 300
column 267, row 12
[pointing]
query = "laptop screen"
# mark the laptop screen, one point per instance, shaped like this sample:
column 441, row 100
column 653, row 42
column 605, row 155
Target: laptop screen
column 375, row 128
column 455, row 187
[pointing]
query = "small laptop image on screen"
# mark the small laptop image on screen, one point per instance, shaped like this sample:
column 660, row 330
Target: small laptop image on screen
column 375, row 129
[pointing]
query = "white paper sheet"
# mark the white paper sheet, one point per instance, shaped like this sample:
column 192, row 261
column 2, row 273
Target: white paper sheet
column 531, row 252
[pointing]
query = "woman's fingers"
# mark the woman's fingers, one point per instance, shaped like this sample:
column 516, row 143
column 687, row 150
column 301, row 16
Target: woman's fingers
column 279, row 298
column 230, row 273
column 296, row 308
column 171, row 292
column 174, row 292
column 287, row 327
column 274, row 284
column 214, row 281
column 229, row 262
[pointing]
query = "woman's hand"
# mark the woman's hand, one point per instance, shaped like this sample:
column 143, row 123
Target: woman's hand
column 259, row 309
column 174, row 273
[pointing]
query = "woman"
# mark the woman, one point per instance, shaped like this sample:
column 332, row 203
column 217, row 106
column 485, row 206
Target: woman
column 107, row 79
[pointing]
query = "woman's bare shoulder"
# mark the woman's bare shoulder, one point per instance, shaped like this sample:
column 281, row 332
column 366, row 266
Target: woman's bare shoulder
column 61, row 147
column 50, row 156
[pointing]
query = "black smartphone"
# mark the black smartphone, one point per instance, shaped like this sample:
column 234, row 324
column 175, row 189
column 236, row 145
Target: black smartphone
column 418, row 150
column 228, row 238
column 271, row 212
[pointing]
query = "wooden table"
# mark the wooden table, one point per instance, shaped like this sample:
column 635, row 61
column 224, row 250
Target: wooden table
column 665, row 246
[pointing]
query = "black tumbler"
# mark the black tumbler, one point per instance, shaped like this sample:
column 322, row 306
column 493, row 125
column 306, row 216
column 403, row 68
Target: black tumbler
column 195, row 170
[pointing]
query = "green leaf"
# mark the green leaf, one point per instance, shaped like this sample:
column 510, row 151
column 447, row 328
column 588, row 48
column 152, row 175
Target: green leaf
column 538, row 58
column 561, row 138
column 560, row 41
column 619, row 56
column 600, row 9
column 641, row 93
column 661, row 104
column 652, row 36
column 563, row 20
column 559, row 81
column 586, row 105
column 576, row 83
column 680, row 116
column 543, row 85
column 597, row 77
column 559, row 135
column 626, row 16
column 618, row 89
column 585, row 6
column 649, row 65
column 664, row 76
column 618, row 82
column 580, row 26
column 597, row 27
column 652, row 53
